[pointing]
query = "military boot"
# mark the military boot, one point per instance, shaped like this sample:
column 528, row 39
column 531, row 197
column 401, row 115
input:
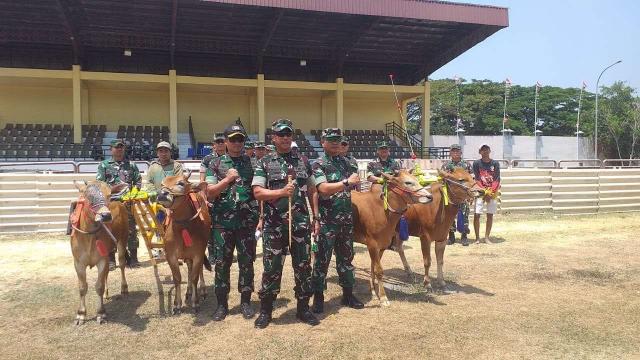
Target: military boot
column 303, row 313
column 112, row 261
column 245, row 305
column 133, row 253
column 463, row 240
column 452, row 238
column 266, row 308
column 223, row 308
column 349, row 300
column 318, row 302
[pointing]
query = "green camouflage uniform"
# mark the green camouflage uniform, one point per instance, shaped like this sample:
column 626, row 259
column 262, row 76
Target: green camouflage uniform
column 336, row 223
column 271, row 173
column 115, row 172
column 376, row 168
column 204, row 168
column 235, row 217
column 464, row 207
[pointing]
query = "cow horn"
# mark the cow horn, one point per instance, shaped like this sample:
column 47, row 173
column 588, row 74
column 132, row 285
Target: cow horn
column 187, row 174
column 86, row 183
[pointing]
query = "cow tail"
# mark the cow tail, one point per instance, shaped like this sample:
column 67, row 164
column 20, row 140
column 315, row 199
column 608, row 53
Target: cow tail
column 207, row 264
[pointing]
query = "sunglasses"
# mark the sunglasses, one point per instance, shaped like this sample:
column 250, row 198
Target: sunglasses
column 219, row 141
column 285, row 134
column 344, row 144
column 334, row 140
column 236, row 139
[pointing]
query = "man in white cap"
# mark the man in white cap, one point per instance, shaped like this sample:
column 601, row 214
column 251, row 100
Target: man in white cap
column 163, row 167
column 294, row 148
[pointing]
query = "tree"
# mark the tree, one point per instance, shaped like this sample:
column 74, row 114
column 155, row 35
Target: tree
column 617, row 128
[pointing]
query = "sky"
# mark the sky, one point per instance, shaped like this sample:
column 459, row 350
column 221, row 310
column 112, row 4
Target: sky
column 557, row 42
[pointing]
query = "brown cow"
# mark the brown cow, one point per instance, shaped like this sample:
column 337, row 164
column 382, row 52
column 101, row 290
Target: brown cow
column 186, row 233
column 374, row 226
column 91, row 241
column 431, row 222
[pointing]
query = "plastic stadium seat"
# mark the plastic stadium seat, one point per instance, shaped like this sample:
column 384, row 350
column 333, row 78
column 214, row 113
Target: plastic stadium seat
column 9, row 126
column 19, row 127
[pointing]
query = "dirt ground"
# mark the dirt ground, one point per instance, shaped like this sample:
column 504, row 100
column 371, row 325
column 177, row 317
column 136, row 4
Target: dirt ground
column 550, row 287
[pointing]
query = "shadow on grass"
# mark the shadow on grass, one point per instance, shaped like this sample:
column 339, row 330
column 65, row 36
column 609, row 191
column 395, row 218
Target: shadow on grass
column 122, row 310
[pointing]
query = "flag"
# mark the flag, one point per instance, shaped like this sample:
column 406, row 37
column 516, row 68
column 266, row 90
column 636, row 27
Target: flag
column 538, row 84
column 584, row 85
column 505, row 119
column 457, row 79
column 458, row 122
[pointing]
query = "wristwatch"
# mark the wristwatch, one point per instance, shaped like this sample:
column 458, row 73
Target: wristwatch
column 345, row 182
column 316, row 218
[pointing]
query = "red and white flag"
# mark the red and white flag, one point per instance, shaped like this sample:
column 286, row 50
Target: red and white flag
column 584, row 85
column 458, row 122
column 507, row 82
column 457, row 79
column 506, row 118
column 538, row 84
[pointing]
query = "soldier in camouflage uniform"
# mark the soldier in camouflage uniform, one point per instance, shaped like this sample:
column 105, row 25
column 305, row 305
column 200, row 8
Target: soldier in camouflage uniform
column 261, row 149
column 270, row 149
column 344, row 151
column 115, row 171
column 218, row 148
column 235, row 218
column 383, row 164
column 334, row 178
column 455, row 151
column 249, row 149
column 270, row 186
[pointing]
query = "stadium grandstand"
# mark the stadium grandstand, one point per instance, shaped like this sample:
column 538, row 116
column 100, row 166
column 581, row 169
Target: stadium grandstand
column 76, row 74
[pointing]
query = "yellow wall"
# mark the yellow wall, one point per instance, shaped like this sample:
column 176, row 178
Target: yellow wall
column 211, row 113
column 128, row 107
column 35, row 105
column 305, row 113
column 369, row 114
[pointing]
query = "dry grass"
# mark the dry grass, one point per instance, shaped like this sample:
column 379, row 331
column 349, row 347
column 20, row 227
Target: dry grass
column 549, row 288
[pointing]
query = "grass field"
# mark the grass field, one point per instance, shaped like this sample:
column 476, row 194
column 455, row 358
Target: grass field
column 549, row 288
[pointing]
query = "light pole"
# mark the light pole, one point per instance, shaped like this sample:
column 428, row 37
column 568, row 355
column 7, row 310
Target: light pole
column 595, row 135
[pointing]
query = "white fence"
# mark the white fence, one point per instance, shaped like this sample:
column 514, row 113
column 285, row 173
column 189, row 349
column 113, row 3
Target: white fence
column 39, row 202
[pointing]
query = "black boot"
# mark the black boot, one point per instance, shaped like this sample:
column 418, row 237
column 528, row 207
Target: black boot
column 266, row 308
column 463, row 240
column 245, row 305
column 452, row 238
column 112, row 261
column 318, row 302
column 349, row 300
column 222, row 309
column 133, row 253
column 303, row 313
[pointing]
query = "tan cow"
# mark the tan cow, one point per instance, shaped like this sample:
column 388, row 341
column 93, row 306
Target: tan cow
column 91, row 240
column 187, row 229
column 374, row 226
column 431, row 222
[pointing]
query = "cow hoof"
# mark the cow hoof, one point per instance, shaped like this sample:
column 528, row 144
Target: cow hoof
column 385, row 303
column 101, row 320
column 176, row 311
column 428, row 288
column 78, row 322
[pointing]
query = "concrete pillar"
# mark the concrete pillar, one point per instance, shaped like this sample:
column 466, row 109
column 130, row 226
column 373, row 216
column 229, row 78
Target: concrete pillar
column 85, row 104
column 507, row 144
column 404, row 111
column 173, row 107
column 340, row 103
column 260, row 107
column 461, row 139
column 426, row 114
column 538, row 140
column 77, row 105
column 580, row 145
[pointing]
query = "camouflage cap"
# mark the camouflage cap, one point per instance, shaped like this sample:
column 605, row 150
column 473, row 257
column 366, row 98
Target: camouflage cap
column 271, row 147
column 116, row 142
column 455, row 147
column 259, row 145
column 345, row 140
column 218, row 136
column 382, row 144
column 249, row 145
column 331, row 133
column 281, row 125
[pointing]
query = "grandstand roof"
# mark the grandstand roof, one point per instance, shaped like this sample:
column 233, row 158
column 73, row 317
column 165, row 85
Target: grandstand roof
column 360, row 40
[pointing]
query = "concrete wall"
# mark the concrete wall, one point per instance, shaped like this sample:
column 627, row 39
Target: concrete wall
column 36, row 105
column 211, row 113
column 128, row 107
column 369, row 114
column 304, row 112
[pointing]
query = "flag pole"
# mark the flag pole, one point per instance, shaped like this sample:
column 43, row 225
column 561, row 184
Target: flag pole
column 504, row 112
column 535, row 119
column 578, row 123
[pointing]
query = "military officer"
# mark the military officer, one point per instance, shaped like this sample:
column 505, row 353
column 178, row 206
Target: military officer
column 261, row 149
column 383, row 163
column 455, row 151
column 334, row 178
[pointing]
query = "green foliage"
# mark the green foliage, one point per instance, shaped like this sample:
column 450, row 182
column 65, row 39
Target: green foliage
column 618, row 121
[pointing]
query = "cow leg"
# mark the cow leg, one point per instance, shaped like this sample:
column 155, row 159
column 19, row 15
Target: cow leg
column 177, row 279
column 426, row 258
column 377, row 270
column 81, row 271
column 203, row 286
column 188, row 292
column 101, row 284
column 440, row 246
column 372, row 278
column 196, row 263
column 400, row 250
column 122, row 262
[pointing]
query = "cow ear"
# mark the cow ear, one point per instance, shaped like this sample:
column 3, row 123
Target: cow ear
column 120, row 188
column 387, row 177
column 81, row 188
column 199, row 187
column 442, row 173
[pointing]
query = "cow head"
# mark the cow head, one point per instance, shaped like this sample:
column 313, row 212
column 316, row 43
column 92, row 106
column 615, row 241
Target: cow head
column 461, row 184
column 96, row 195
column 174, row 187
column 408, row 186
